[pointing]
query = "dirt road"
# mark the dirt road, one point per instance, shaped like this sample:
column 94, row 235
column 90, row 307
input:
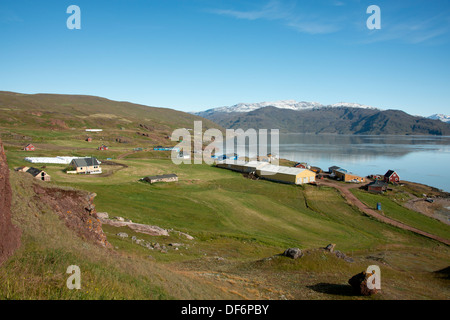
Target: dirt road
column 344, row 189
column 123, row 155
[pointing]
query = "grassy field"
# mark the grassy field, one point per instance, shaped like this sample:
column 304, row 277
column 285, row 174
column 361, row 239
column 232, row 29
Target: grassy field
column 236, row 223
column 240, row 226
column 208, row 200
column 394, row 210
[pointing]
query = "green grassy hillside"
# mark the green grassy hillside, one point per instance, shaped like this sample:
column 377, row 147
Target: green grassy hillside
column 49, row 117
column 239, row 225
column 236, row 223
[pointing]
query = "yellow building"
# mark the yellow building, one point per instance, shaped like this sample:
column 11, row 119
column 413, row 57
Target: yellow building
column 346, row 176
column 286, row 174
column 86, row 166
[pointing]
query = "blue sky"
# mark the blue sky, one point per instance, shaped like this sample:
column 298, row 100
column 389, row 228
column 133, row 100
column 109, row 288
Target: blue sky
column 193, row 55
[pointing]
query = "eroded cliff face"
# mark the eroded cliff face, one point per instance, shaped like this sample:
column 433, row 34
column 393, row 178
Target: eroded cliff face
column 77, row 210
column 9, row 234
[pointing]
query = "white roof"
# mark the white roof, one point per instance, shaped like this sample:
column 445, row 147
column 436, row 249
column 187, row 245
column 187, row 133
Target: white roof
column 256, row 164
column 251, row 164
column 235, row 162
column 270, row 168
column 56, row 160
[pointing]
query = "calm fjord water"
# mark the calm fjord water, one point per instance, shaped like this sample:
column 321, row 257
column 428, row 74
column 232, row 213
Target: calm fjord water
column 422, row 159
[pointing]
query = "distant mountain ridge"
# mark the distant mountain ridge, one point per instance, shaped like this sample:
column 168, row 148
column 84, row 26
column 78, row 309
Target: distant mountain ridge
column 313, row 117
column 441, row 117
column 283, row 104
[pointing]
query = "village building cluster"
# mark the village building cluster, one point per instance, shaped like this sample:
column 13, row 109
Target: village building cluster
column 269, row 171
column 301, row 173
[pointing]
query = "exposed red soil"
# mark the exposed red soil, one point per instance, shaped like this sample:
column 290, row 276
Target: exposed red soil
column 59, row 123
column 77, row 209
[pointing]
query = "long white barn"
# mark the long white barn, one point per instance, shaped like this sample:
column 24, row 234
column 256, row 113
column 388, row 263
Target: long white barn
column 54, row 160
column 270, row 172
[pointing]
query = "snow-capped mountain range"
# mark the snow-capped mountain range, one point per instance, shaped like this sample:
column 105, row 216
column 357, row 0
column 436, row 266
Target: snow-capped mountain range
column 283, row 104
column 298, row 106
column 442, row 117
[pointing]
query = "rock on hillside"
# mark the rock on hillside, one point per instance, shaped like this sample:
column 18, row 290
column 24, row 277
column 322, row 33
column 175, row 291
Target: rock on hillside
column 77, row 209
column 9, row 234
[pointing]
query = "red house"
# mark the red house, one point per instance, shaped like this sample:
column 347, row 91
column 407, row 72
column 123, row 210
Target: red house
column 302, row 165
column 29, row 147
column 392, row 177
column 103, row 147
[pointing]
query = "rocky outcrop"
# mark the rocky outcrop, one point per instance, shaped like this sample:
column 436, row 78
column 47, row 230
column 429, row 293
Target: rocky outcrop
column 122, row 140
column 331, row 249
column 143, row 126
column 9, row 234
column 77, row 209
column 187, row 236
column 143, row 134
column 293, row 253
column 137, row 227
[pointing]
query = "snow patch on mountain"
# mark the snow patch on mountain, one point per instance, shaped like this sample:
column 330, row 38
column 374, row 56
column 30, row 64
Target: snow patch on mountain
column 352, row 105
column 439, row 116
column 284, row 104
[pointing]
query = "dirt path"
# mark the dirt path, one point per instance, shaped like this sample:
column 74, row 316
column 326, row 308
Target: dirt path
column 344, row 189
column 123, row 155
column 436, row 210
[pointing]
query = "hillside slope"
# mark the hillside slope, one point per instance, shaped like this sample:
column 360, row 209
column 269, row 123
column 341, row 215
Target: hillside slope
column 339, row 120
column 24, row 114
column 9, row 234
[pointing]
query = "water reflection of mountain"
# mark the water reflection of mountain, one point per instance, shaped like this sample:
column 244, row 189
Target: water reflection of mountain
column 357, row 148
column 351, row 148
column 341, row 139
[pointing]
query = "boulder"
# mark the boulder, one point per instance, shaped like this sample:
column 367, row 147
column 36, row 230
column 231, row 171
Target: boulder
column 343, row 256
column 330, row 247
column 293, row 253
column 175, row 244
column 122, row 235
column 102, row 215
column 348, row 259
column 359, row 284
